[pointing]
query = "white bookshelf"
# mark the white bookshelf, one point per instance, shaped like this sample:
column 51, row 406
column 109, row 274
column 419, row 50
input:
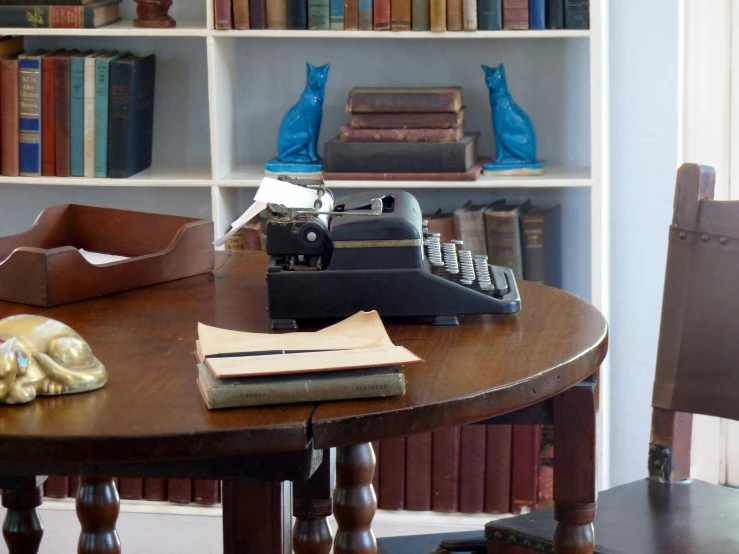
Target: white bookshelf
column 221, row 96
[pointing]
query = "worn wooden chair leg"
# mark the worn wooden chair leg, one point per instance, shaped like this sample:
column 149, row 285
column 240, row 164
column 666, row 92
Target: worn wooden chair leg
column 574, row 469
column 97, row 510
column 311, row 507
column 22, row 528
column 354, row 500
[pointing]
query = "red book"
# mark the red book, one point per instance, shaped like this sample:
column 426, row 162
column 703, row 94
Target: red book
column 376, row 476
column 56, row 486
column 48, row 117
column 498, row 469
column 472, row 469
column 62, row 100
column 223, row 14
column 392, row 475
column 381, row 14
column 179, row 491
column 155, row 489
column 131, row 488
column 205, row 492
column 74, row 486
column 445, row 470
column 9, row 163
column 545, row 494
column 418, row 472
column 525, row 463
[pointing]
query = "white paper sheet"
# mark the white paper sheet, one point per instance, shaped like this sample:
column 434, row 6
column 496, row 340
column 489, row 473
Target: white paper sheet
column 97, row 258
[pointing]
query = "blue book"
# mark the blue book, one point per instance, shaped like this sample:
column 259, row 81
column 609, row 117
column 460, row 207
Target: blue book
column 29, row 110
column 365, row 15
column 537, row 15
column 131, row 115
column 77, row 115
column 337, row 14
column 489, row 15
column 102, row 87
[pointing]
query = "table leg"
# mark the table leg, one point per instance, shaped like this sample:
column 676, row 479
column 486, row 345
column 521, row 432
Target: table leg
column 97, row 510
column 574, row 469
column 311, row 507
column 22, row 528
column 354, row 500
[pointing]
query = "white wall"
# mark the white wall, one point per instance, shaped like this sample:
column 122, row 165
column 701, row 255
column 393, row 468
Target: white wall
column 644, row 146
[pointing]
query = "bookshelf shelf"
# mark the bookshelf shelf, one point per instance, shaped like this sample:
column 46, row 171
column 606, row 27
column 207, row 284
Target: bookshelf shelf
column 119, row 29
column 156, row 176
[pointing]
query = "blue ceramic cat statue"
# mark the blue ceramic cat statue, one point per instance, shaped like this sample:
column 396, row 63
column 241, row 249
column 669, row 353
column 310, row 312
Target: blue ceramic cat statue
column 515, row 138
column 299, row 130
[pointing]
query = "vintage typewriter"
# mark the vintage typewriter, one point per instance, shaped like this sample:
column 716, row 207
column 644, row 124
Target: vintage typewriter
column 372, row 251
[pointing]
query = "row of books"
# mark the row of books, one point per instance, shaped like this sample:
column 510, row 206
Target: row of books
column 71, row 113
column 402, row 15
column 59, row 14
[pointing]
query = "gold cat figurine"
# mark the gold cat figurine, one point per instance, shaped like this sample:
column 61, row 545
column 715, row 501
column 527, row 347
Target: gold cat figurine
column 43, row 356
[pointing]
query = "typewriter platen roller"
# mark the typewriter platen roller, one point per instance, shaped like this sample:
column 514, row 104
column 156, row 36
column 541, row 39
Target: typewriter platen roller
column 372, row 251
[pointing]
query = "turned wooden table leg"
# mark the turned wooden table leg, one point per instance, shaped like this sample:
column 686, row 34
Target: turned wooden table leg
column 22, row 528
column 311, row 507
column 97, row 511
column 354, row 500
column 574, row 469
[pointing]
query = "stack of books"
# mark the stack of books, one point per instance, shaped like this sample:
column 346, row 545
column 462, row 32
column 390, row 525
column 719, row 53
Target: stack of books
column 59, row 14
column 352, row 359
column 397, row 133
column 71, row 113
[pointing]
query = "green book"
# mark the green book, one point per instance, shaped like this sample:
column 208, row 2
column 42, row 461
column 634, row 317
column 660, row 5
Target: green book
column 421, row 15
column 102, row 86
column 503, row 235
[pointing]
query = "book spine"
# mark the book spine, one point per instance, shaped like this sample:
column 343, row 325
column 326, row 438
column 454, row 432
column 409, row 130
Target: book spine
column 27, row 3
column 351, row 15
column 319, row 15
column 469, row 227
column 179, row 491
column 62, row 97
column 392, row 475
column 258, row 14
column 400, row 15
column 54, row 17
column 48, row 117
column 504, row 240
column 498, row 469
column 525, row 467
column 516, row 14
column 336, row 14
column 469, row 14
column 376, row 474
column 29, row 113
column 56, row 486
column 489, row 15
column 440, row 120
column 9, row 117
column 241, row 14
column 102, row 82
column 76, row 117
column 89, row 115
column 205, row 492
column 472, row 469
column 445, row 470
column 223, row 14
column 74, row 486
column 532, row 247
column 577, row 14
column 555, row 14
column 437, row 15
column 119, row 119
column 276, row 14
column 381, row 15
column 297, row 14
column 155, row 489
column 350, row 134
column 545, row 490
column 130, row 488
column 404, row 102
column 454, row 15
column 537, row 15
column 418, row 472
column 421, row 15
column 365, row 15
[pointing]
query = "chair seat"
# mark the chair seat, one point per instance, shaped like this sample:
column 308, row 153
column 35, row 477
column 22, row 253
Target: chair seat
column 643, row 517
column 423, row 544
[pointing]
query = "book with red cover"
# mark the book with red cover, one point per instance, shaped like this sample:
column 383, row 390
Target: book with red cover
column 545, row 493
column 418, row 472
column 9, row 161
column 445, row 470
column 224, row 14
column 131, row 488
column 472, row 469
column 205, row 492
column 381, row 15
column 498, row 469
column 62, row 99
column 74, row 486
column 56, row 486
column 516, row 14
column 179, row 490
column 392, row 475
column 48, row 117
column 155, row 489
column 525, row 464
column 376, row 476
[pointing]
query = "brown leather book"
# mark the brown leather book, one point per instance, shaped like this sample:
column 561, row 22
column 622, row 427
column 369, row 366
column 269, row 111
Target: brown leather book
column 392, row 475
column 9, row 163
column 257, row 14
column 131, row 488
column 438, row 16
column 445, row 470
column 56, row 486
column 155, row 489
column 403, row 100
column 410, row 120
column 418, row 472
column 276, row 14
column 349, row 134
column 515, row 14
column 62, row 123
column 179, row 491
column 400, row 16
column 48, row 117
column 376, row 475
column 205, row 492
column 525, row 464
column 351, row 15
column 223, row 14
column 241, row 14
column 545, row 491
column 381, row 14
column 472, row 469
column 441, row 223
column 498, row 469
column 74, row 486
column 454, row 15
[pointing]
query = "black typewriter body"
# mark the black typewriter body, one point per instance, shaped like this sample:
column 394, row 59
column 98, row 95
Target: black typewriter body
column 374, row 253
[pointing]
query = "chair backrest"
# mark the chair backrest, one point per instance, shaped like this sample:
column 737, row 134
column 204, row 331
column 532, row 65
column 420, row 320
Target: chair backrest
column 698, row 351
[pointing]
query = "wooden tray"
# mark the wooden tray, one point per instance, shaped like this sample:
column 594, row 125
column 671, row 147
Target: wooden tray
column 470, row 175
column 43, row 266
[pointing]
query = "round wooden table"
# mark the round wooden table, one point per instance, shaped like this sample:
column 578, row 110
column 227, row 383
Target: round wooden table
column 150, row 419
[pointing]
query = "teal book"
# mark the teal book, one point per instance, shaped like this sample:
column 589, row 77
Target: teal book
column 102, row 87
column 336, row 8
column 365, row 15
column 77, row 114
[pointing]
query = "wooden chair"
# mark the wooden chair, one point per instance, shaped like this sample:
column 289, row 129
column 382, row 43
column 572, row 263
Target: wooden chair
column 697, row 372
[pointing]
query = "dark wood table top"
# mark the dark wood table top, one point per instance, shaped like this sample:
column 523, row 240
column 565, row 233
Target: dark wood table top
column 151, row 408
